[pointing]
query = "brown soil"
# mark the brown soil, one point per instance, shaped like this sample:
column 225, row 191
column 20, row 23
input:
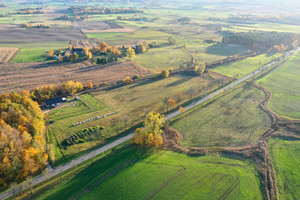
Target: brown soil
column 15, row 34
column 7, row 54
column 18, row 76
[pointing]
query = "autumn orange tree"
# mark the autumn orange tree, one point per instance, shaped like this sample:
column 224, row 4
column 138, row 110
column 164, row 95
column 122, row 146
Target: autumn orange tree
column 90, row 85
column 151, row 134
column 171, row 103
column 127, row 80
column 130, row 53
column 22, row 138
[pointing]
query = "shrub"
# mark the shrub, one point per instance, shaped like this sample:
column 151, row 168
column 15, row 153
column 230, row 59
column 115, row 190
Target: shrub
column 164, row 73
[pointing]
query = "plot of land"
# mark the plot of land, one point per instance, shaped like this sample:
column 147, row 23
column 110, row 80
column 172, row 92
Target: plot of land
column 18, row 76
column 234, row 119
column 14, row 34
column 286, row 161
column 30, row 55
column 135, row 174
column 132, row 100
column 283, row 83
column 245, row 66
column 84, row 44
column 7, row 53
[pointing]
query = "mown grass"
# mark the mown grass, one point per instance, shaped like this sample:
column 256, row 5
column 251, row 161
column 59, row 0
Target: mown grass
column 135, row 173
column 30, row 55
column 283, row 83
column 166, row 57
column 132, row 100
column 245, row 66
column 285, row 156
column 234, row 119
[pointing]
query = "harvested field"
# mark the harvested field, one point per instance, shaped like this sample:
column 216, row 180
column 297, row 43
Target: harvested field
column 81, row 44
column 18, row 76
column 7, row 54
column 14, row 33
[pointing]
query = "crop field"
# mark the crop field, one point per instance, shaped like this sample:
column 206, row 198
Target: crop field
column 245, row 66
column 7, row 53
column 132, row 100
column 14, row 33
column 286, row 160
column 283, row 83
column 234, row 119
column 135, row 174
column 31, row 75
column 30, row 55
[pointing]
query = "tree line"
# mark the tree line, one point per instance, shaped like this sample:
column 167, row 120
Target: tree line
column 262, row 40
column 22, row 142
column 81, row 10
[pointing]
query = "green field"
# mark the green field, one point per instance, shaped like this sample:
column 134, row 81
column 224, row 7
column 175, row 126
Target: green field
column 285, row 156
column 136, row 174
column 283, row 83
column 132, row 100
column 30, row 55
column 245, row 66
column 234, row 119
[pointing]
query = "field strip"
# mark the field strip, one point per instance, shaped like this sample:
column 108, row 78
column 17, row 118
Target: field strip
column 104, row 178
column 164, row 184
column 230, row 189
column 40, row 178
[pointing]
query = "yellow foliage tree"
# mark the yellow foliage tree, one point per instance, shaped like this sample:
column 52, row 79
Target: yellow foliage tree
column 165, row 73
column 151, row 134
column 130, row 53
column 70, row 47
column 90, row 55
column 127, row 80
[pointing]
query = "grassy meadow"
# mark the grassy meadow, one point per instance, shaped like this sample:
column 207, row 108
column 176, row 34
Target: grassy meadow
column 245, row 66
column 30, row 55
column 233, row 119
column 283, row 83
column 135, row 173
column 285, row 156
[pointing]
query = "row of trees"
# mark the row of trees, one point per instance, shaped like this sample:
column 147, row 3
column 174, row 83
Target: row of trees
column 22, row 143
column 49, row 91
column 81, row 10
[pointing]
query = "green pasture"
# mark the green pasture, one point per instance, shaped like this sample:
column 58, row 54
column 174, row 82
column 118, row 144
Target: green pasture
column 245, row 66
column 285, row 156
column 233, row 119
column 30, row 55
column 283, row 83
column 134, row 173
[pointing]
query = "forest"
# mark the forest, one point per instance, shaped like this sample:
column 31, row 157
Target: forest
column 22, row 141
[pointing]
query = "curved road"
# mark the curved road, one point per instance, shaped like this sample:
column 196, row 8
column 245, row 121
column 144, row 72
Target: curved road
column 52, row 172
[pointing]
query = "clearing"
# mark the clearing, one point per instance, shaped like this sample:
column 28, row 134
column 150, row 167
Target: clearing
column 234, row 119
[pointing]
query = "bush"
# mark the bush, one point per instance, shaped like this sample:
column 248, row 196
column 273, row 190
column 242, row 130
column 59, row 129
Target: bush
column 164, row 73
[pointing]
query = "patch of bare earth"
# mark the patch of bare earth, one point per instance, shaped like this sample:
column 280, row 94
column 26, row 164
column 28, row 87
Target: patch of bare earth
column 7, row 54
column 18, row 76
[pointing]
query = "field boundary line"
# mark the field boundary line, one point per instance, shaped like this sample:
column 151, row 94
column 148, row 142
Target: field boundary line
column 103, row 178
column 164, row 184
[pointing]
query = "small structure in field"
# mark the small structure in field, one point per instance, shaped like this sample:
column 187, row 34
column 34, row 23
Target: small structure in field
column 55, row 102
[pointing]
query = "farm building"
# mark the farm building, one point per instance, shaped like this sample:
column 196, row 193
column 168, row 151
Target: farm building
column 55, row 102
